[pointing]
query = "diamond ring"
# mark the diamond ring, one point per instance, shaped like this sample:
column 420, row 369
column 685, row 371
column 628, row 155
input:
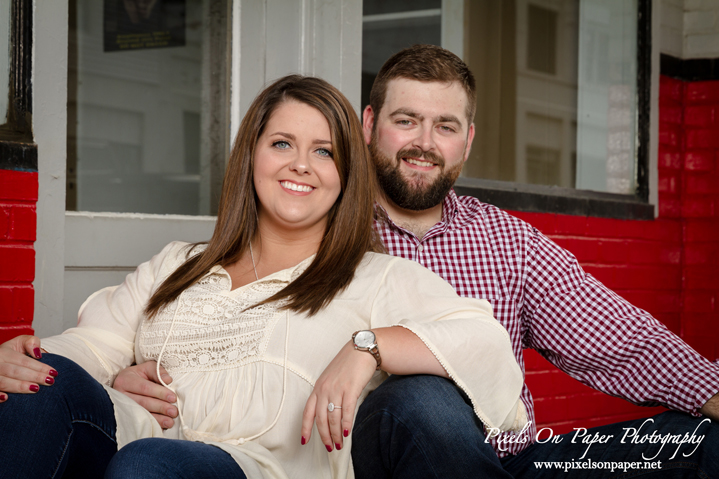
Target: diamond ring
column 331, row 407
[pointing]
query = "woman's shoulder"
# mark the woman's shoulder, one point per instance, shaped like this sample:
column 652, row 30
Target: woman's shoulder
column 381, row 262
column 176, row 253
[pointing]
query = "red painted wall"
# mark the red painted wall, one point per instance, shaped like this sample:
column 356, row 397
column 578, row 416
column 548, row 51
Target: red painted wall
column 666, row 266
column 18, row 224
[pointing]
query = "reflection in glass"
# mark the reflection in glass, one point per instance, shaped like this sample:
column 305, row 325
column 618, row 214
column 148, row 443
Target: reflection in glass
column 4, row 58
column 134, row 117
column 524, row 56
column 388, row 27
column 607, row 95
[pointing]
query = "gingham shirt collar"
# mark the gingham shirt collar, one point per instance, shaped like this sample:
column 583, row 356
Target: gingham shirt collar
column 454, row 216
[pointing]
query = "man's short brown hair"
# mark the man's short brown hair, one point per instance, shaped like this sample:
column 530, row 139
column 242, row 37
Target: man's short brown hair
column 425, row 63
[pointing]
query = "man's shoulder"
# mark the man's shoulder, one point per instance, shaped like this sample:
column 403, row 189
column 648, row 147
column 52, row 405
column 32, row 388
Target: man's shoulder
column 493, row 219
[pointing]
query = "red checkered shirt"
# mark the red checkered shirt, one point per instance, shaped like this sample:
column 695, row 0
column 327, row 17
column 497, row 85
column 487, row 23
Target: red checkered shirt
column 547, row 302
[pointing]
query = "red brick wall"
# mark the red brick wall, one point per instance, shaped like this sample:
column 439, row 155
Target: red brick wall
column 666, row 266
column 18, row 223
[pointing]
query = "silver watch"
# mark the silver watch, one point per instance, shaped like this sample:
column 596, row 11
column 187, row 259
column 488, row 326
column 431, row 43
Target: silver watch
column 365, row 340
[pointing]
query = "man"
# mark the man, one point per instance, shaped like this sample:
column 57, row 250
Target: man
column 419, row 128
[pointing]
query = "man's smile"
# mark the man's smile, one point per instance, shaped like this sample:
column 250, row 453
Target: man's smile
column 423, row 164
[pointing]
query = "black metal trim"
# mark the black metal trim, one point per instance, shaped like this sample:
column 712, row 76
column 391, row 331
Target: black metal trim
column 555, row 199
column 18, row 156
column 644, row 75
column 18, row 127
column 701, row 69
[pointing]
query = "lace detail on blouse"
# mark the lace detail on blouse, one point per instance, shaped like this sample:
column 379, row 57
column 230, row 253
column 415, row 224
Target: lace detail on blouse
column 213, row 329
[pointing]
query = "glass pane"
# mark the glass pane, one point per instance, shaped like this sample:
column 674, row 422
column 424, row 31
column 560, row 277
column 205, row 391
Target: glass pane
column 524, row 56
column 607, row 96
column 388, row 27
column 5, row 33
column 136, row 107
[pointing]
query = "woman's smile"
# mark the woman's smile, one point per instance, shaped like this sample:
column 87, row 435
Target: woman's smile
column 296, row 187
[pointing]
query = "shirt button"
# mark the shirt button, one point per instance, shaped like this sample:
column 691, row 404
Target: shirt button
column 420, row 248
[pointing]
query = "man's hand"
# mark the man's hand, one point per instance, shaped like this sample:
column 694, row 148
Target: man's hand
column 140, row 383
column 20, row 373
column 711, row 408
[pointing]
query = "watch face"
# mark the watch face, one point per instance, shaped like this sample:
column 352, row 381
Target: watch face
column 364, row 339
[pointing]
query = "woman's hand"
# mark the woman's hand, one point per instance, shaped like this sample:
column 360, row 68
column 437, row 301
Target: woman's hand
column 140, row 383
column 341, row 384
column 20, row 373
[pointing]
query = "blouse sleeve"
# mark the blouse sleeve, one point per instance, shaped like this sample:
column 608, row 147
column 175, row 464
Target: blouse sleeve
column 468, row 342
column 103, row 342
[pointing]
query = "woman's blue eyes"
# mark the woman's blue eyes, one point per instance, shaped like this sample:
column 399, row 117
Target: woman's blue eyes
column 324, row 152
column 283, row 145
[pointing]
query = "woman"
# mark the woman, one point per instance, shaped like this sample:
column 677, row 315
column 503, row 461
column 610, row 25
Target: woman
column 250, row 325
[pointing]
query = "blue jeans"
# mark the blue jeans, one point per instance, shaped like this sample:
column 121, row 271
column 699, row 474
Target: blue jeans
column 157, row 458
column 423, row 427
column 68, row 430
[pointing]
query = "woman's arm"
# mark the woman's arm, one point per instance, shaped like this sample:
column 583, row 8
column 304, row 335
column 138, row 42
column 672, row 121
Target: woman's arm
column 421, row 327
column 343, row 380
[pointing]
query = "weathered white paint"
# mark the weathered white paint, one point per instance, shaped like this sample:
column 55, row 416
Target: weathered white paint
column 50, row 31
column 4, row 57
column 671, row 29
column 102, row 248
column 689, row 28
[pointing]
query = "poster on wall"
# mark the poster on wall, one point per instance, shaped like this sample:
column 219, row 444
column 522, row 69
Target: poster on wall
column 143, row 24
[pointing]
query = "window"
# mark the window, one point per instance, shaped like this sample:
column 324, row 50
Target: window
column 15, row 77
column 17, row 149
column 147, row 106
column 557, row 91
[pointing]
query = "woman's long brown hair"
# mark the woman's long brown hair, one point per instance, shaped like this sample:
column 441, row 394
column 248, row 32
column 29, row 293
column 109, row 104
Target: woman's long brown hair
column 349, row 232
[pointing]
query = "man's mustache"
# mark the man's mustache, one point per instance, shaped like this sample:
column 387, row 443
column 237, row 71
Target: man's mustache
column 421, row 155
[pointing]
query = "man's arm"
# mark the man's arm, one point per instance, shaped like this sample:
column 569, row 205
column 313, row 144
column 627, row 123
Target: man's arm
column 711, row 408
column 594, row 335
column 140, row 383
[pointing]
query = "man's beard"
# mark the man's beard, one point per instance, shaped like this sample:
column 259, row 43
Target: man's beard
column 412, row 193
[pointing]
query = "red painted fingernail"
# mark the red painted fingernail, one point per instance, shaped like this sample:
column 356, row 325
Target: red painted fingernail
column 53, row 373
column 303, row 441
column 3, row 397
column 346, row 432
column 338, row 446
column 36, row 351
column 34, row 388
column 49, row 380
column 329, row 448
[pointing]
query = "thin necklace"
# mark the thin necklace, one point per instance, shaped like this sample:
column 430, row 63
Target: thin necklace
column 257, row 278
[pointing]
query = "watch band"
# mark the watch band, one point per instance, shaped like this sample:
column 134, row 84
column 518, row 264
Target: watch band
column 373, row 350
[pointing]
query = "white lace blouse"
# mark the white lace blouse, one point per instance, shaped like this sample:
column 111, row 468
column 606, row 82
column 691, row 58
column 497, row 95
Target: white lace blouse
column 243, row 376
